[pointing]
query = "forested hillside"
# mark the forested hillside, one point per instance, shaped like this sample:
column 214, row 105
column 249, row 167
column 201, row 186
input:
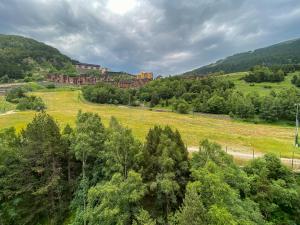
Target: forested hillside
column 283, row 53
column 21, row 57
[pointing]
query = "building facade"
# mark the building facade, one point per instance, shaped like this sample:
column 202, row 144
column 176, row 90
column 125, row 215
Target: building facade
column 145, row 75
column 85, row 79
column 85, row 67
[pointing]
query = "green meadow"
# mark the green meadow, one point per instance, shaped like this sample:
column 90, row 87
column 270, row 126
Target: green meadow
column 263, row 88
column 236, row 135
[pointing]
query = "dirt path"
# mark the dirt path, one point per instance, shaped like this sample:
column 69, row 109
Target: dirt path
column 295, row 163
column 7, row 113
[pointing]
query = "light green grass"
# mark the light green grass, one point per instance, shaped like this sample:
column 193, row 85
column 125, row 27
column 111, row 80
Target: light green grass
column 260, row 88
column 5, row 106
column 241, row 136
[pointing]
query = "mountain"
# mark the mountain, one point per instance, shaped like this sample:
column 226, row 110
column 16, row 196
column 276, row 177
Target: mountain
column 21, row 57
column 287, row 52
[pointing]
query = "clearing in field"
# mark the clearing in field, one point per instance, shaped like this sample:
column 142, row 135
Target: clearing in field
column 239, row 136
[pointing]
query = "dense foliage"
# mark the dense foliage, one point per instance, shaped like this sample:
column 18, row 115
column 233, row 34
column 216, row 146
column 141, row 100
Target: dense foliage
column 20, row 56
column 285, row 53
column 208, row 95
column 24, row 102
column 264, row 74
column 91, row 174
column 296, row 80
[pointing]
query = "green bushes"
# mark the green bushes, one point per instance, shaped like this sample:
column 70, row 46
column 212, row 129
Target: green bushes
column 17, row 96
column 296, row 80
column 260, row 74
column 181, row 106
column 14, row 94
column 31, row 103
column 104, row 175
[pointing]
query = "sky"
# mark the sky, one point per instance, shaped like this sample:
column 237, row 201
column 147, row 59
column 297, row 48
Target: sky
column 163, row 36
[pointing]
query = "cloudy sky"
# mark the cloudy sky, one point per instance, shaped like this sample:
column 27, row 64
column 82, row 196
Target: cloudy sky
column 163, row 36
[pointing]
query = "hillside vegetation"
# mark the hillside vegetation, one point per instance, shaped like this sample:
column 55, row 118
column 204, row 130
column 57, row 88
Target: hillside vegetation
column 240, row 136
column 95, row 174
column 287, row 52
column 22, row 57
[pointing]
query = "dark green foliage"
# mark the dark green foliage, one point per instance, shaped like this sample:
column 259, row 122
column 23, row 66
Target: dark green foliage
column 19, row 55
column 90, row 174
column 115, row 201
column 275, row 189
column 296, row 80
column 181, row 106
column 15, row 94
column 285, row 54
column 264, row 74
column 104, row 93
column 33, row 183
column 165, row 170
column 31, row 103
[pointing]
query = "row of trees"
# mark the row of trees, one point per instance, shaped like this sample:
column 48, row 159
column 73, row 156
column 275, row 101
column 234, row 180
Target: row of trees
column 260, row 74
column 208, row 95
column 90, row 174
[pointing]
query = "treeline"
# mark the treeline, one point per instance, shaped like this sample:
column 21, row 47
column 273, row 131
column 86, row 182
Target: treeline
column 208, row 95
column 260, row 74
column 91, row 174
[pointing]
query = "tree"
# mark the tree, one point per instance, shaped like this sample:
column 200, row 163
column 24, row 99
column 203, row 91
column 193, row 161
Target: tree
column 192, row 211
column 42, row 151
column 116, row 201
column 216, row 104
column 275, row 189
column 122, row 150
column 88, row 141
column 165, row 169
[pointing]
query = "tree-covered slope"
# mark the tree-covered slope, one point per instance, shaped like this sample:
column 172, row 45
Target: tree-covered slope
column 283, row 53
column 20, row 56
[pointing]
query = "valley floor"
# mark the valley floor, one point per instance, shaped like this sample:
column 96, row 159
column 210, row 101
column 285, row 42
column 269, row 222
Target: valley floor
column 237, row 136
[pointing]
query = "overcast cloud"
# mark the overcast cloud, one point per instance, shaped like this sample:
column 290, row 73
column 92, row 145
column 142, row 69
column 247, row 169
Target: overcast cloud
column 166, row 37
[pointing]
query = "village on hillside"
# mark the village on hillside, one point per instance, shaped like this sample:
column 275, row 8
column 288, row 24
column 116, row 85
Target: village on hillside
column 100, row 74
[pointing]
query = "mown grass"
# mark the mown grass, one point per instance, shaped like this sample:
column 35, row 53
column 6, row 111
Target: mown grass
column 237, row 135
column 263, row 88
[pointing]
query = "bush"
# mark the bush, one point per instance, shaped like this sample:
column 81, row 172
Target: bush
column 31, row 103
column 181, row 106
column 50, row 86
column 15, row 94
column 264, row 74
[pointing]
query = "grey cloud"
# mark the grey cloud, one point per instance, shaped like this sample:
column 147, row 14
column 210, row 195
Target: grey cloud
column 163, row 36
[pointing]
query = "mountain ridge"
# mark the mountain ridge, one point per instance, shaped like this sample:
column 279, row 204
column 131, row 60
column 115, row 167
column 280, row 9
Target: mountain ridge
column 286, row 52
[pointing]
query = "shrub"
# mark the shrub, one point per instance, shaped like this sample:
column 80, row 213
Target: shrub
column 181, row 106
column 31, row 103
column 15, row 94
column 50, row 86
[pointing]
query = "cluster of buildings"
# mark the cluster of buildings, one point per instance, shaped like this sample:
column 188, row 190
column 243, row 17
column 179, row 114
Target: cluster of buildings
column 88, row 78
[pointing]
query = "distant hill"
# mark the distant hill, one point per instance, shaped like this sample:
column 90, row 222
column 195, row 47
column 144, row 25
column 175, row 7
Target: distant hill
column 287, row 52
column 20, row 57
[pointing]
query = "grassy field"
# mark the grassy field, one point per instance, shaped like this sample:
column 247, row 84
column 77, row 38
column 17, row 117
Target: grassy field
column 5, row 106
column 262, row 88
column 240, row 136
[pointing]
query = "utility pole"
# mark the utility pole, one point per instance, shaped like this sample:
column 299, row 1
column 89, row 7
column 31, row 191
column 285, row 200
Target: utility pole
column 297, row 125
